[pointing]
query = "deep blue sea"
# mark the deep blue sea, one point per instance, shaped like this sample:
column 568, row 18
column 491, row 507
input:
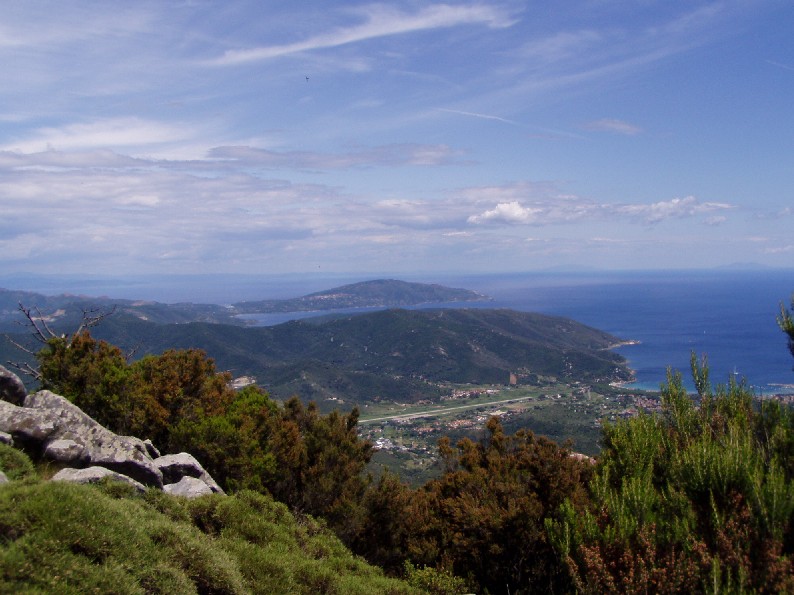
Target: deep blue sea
column 727, row 315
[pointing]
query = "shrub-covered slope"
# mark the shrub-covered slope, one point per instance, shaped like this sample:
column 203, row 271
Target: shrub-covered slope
column 57, row 537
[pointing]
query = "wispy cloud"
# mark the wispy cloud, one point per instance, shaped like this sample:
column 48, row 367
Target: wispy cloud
column 113, row 133
column 379, row 20
column 670, row 209
column 559, row 47
column 788, row 248
column 387, row 155
column 780, row 65
column 476, row 115
column 612, row 125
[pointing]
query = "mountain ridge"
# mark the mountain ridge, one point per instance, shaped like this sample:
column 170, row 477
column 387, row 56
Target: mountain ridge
column 377, row 293
column 388, row 354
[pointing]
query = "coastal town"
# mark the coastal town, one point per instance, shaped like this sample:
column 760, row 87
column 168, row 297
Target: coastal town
column 406, row 435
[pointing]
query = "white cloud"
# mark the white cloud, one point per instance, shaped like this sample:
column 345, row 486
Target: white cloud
column 674, row 208
column 566, row 209
column 380, row 20
column 507, row 212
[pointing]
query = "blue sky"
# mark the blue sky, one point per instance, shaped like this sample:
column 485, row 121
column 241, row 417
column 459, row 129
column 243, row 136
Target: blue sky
column 395, row 138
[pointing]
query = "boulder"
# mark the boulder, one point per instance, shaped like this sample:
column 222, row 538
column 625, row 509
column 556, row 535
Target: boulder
column 11, row 387
column 151, row 449
column 93, row 475
column 29, row 427
column 6, row 438
column 3, row 478
column 178, row 466
column 51, row 425
column 65, row 451
column 188, row 487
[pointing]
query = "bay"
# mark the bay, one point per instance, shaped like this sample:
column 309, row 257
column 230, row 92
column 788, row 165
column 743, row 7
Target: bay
column 727, row 316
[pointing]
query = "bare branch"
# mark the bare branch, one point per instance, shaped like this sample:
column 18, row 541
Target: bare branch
column 26, row 369
column 43, row 321
column 91, row 318
column 38, row 324
column 19, row 346
column 131, row 353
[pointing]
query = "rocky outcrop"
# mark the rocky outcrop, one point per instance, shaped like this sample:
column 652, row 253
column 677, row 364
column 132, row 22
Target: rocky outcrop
column 51, row 427
column 11, row 387
column 183, row 465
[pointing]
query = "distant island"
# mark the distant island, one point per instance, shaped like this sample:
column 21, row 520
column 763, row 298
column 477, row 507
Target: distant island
column 66, row 310
column 386, row 293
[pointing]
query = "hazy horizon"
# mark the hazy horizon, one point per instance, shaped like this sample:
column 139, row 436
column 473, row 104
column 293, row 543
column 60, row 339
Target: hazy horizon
column 225, row 288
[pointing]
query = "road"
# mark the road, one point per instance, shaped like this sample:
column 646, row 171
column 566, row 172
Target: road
column 444, row 410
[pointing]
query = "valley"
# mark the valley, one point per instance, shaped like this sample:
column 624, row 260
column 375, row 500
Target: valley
column 406, row 434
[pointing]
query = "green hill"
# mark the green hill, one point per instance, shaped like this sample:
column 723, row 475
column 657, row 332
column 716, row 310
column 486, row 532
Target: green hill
column 390, row 354
column 368, row 294
column 395, row 354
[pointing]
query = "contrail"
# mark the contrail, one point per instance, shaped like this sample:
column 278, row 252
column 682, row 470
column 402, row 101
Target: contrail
column 476, row 115
column 786, row 66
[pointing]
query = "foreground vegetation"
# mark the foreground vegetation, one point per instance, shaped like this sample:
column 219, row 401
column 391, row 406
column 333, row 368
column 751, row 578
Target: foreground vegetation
column 57, row 537
column 695, row 498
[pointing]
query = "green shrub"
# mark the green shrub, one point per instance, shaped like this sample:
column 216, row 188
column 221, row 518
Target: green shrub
column 15, row 464
column 57, row 537
column 699, row 498
column 432, row 580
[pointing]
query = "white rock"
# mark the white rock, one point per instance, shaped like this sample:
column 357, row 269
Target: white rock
column 93, row 475
column 188, row 487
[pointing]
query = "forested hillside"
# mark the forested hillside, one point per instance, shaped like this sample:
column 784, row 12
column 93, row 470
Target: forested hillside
column 390, row 354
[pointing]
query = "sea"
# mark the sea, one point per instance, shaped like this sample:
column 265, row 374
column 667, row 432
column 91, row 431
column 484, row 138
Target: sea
column 728, row 316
